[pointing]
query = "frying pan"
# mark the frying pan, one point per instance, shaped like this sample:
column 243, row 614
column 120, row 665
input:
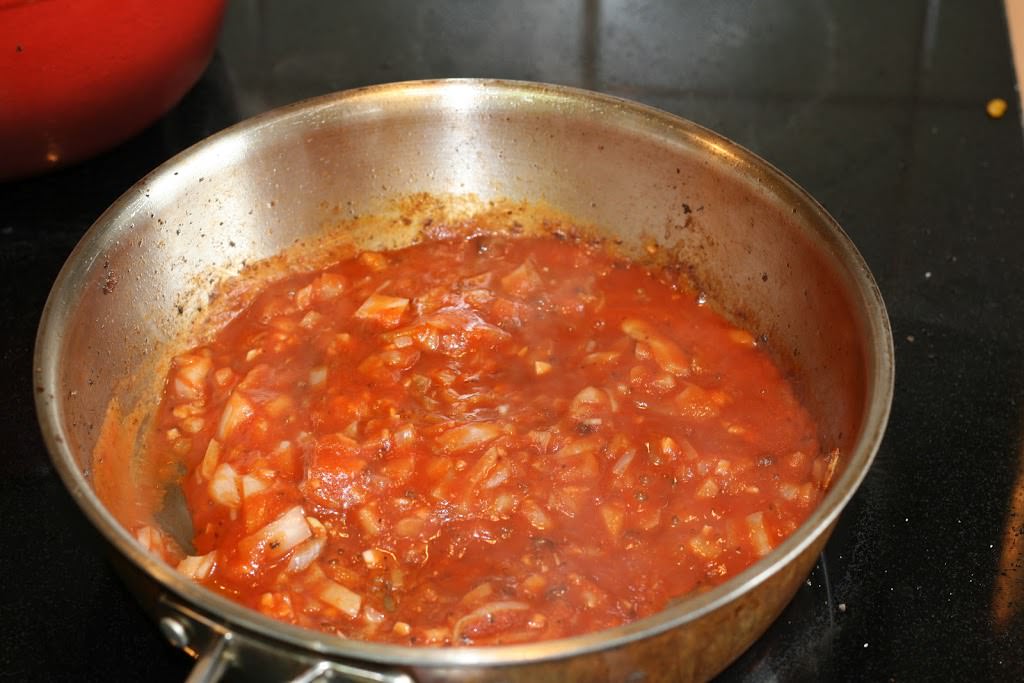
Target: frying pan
column 141, row 280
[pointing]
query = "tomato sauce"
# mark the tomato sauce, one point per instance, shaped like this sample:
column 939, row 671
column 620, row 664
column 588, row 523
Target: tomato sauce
column 481, row 440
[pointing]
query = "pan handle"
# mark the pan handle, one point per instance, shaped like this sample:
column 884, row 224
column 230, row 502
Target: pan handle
column 218, row 649
column 212, row 663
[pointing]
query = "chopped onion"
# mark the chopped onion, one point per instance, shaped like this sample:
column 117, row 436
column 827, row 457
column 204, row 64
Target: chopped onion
column 709, row 489
column 339, row 597
column 535, row 515
column 488, row 614
column 600, row 357
column 368, row 519
column 588, row 444
column 310, row 320
column 237, row 410
column 705, row 547
column 305, row 553
column 224, row 486
column 252, row 485
column 372, row 616
column 481, row 592
column 284, row 533
column 614, row 518
column 190, row 379
column 758, row 534
column 198, row 567
column 620, row 466
column 522, row 281
column 210, row 460
column 588, row 400
column 404, row 435
column 666, row 354
column 373, row 557
column 317, row 376
column 695, row 402
column 788, row 490
column 386, row 310
column 469, row 435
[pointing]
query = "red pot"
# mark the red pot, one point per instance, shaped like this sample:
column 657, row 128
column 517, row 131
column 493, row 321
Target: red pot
column 79, row 76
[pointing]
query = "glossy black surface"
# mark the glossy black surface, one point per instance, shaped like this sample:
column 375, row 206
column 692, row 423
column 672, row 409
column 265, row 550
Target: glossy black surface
column 877, row 108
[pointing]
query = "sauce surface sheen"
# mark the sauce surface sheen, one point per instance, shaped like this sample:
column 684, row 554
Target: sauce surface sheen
column 481, row 440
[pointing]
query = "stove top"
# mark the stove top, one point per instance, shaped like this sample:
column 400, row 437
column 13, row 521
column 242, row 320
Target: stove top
column 876, row 108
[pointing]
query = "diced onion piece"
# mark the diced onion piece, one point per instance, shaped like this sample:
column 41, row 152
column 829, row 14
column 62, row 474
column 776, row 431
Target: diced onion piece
column 190, row 379
column 372, row 616
column 577, row 447
column 223, row 376
column 807, row 494
column 158, row 543
column 408, row 526
column 305, row 553
column 696, row 402
column 705, row 547
column 501, row 473
column 469, row 435
column 535, row 515
column 373, row 558
column 590, row 400
column 339, row 597
column 284, row 533
column 620, row 466
column 486, row 615
column 709, row 489
column 600, row 357
column 404, row 436
column 482, row 467
column 210, row 460
column 252, row 485
column 614, row 518
column 310, row 320
column 383, row 309
column 329, row 286
column 198, row 567
column 237, row 410
column 666, row 353
column 277, row 605
column 758, row 534
column 541, row 367
column 318, row 376
column 481, row 592
column 374, row 260
column 368, row 519
column 522, row 281
column 401, row 628
column 540, row 438
column 224, row 487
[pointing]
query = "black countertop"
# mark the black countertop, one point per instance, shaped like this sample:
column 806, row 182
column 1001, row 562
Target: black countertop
column 876, row 108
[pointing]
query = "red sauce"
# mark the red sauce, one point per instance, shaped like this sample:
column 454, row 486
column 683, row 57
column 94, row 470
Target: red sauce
column 481, row 440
